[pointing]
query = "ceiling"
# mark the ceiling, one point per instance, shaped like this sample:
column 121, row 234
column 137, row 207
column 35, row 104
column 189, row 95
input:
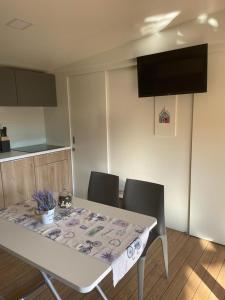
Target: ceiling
column 65, row 31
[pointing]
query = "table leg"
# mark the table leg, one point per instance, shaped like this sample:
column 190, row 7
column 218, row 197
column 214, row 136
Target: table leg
column 55, row 294
column 141, row 276
column 50, row 286
column 34, row 291
column 101, row 292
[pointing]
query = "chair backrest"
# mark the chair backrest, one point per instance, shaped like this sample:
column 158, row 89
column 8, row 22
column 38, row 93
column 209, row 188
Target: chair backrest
column 146, row 198
column 103, row 188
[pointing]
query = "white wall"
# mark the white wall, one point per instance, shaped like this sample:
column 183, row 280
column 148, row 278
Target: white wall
column 208, row 158
column 162, row 160
column 135, row 152
column 57, row 118
column 26, row 125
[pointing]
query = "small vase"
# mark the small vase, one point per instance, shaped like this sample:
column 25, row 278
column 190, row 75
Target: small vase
column 48, row 216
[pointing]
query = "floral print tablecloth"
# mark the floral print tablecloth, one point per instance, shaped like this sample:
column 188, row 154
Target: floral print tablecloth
column 111, row 240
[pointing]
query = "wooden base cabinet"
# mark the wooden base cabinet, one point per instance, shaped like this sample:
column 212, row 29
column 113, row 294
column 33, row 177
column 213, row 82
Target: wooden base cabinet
column 54, row 176
column 20, row 178
column 2, row 201
column 53, row 171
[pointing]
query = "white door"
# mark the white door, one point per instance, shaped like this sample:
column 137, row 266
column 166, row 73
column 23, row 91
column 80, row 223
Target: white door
column 88, row 127
column 208, row 158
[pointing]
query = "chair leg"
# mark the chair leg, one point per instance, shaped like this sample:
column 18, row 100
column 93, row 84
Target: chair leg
column 141, row 276
column 165, row 252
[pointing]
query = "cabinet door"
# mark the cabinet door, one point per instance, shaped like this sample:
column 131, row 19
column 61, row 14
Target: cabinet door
column 8, row 95
column 2, row 203
column 54, row 176
column 35, row 88
column 18, row 180
column 48, row 158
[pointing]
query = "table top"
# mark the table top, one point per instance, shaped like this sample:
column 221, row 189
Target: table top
column 79, row 271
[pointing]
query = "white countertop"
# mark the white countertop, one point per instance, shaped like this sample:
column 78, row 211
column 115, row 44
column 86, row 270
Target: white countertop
column 13, row 155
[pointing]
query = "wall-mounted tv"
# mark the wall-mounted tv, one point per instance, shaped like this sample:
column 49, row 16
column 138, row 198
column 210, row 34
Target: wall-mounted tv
column 181, row 71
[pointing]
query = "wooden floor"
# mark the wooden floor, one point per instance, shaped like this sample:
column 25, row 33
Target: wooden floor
column 196, row 271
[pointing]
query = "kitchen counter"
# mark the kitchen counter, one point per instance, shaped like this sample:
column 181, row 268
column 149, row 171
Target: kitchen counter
column 13, row 155
column 22, row 173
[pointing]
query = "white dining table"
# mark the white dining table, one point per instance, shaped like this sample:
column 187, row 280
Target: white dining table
column 54, row 260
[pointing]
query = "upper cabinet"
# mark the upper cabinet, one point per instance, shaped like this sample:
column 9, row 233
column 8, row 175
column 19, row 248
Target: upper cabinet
column 8, row 95
column 35, row 88
column 19, row 87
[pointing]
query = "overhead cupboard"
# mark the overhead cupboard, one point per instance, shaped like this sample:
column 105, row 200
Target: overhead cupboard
column 22, row 87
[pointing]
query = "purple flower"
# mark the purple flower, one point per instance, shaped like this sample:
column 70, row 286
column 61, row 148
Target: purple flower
column 108, row 256
column 72, row 222
column 45, row 200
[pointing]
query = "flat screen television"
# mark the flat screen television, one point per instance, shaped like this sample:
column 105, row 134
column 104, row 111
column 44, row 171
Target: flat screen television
column 181, row 71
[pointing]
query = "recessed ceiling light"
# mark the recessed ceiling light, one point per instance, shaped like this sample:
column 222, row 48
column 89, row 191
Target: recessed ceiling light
column 18, row 24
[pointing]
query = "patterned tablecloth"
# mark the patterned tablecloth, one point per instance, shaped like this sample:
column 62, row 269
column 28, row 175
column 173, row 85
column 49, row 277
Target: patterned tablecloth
column 111, row 240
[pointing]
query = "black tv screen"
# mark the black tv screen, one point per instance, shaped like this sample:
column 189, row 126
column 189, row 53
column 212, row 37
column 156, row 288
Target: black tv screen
column 181, row 71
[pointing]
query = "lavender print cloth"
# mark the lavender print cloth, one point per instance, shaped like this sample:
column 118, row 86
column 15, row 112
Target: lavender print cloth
column 111, row 240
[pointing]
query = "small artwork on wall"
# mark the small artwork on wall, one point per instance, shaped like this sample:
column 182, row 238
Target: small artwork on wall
column 165, row 115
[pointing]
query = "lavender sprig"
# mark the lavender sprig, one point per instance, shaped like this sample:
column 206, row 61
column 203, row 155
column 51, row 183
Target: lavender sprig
column 45, row 200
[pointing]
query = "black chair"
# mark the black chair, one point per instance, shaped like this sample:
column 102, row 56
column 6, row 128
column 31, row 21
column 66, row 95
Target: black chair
column 103, row 188
column 147, row 198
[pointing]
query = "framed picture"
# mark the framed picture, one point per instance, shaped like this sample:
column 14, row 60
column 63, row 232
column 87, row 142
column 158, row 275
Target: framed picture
column 165, row 116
